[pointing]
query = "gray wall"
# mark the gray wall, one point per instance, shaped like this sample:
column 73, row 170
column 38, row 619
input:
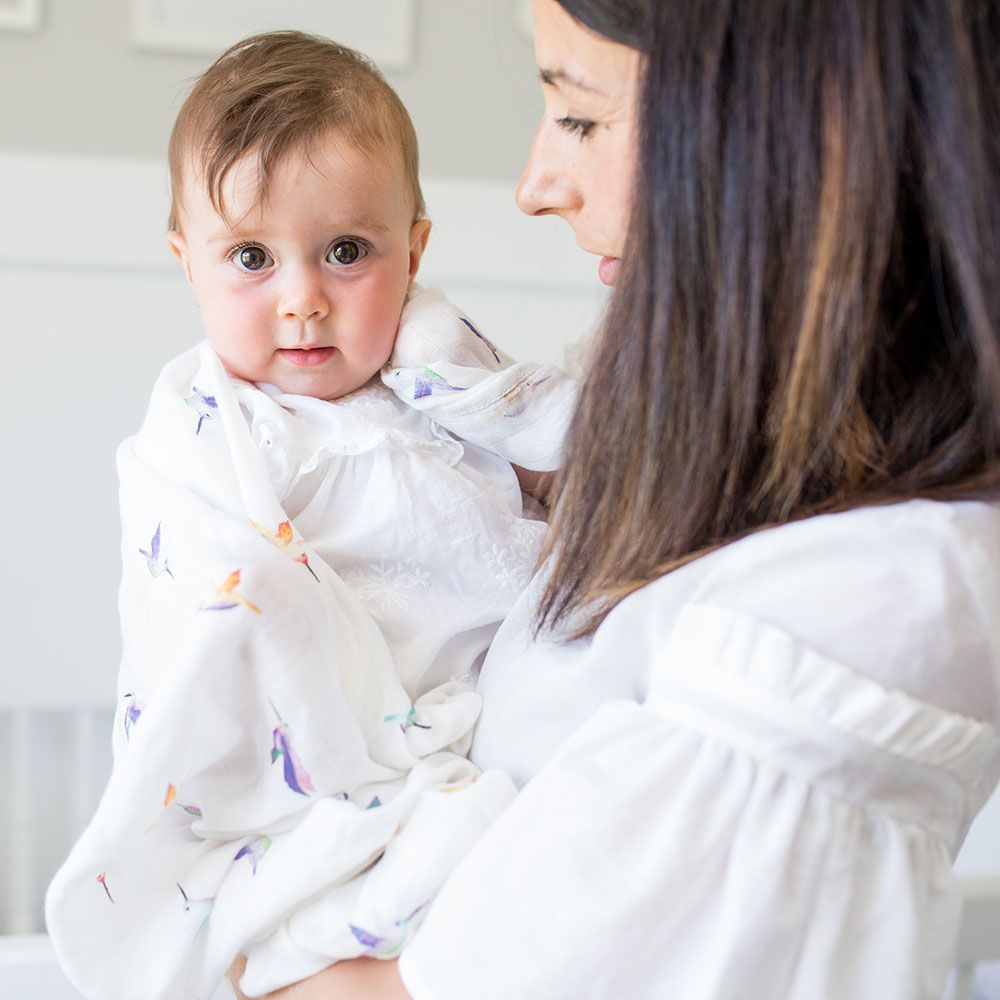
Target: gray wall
column 78, row 86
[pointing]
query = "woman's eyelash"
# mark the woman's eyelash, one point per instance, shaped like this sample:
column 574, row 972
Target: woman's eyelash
column 580, row 127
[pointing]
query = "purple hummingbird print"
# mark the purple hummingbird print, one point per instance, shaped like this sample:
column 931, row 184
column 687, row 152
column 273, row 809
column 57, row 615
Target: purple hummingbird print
column 426, row 380
column 387, row 947
column 254, row 851
column 188, row 901
column 488, row 343
column 366, row 938
column 133, row 711
column 204, row 405
column 295, row 774
column 156, row 562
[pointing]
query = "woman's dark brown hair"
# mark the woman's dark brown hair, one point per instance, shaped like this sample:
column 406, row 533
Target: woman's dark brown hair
column 808, row 316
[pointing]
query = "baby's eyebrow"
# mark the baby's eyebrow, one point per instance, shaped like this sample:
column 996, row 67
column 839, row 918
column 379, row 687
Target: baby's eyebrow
column 363, row 222
column 337, row 227
column 554, row 77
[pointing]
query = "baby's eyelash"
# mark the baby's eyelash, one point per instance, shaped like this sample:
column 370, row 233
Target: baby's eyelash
column 233, row 251
column 580, row 127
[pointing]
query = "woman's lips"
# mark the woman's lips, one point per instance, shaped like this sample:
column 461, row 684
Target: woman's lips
column 607, row 270
column 306, row 357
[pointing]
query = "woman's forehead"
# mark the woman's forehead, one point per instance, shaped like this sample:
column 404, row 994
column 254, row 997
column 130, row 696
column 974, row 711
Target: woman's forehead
column 577, row 60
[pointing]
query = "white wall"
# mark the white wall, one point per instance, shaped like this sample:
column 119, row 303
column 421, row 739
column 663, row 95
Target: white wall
column 80, row 87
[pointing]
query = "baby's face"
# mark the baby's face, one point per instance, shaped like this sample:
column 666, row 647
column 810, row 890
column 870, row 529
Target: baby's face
column 305, row 290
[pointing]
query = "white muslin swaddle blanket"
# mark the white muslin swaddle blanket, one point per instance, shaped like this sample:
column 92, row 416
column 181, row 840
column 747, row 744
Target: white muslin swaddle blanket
column 307, row 589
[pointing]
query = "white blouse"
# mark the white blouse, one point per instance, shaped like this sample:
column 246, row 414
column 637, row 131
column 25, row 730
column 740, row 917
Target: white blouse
column 751, row 783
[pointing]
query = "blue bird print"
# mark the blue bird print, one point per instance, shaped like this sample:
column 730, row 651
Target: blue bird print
column 204, row 405
column 132, row 713
column 382, row 947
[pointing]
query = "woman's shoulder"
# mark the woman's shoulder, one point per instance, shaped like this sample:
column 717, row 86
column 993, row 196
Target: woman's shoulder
column 907, row 595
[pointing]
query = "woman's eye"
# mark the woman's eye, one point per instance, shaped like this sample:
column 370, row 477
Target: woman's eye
column 347, row 252
column 251, row 258
column 580, row 127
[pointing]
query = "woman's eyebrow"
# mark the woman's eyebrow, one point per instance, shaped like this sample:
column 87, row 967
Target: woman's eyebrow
column 554, row 77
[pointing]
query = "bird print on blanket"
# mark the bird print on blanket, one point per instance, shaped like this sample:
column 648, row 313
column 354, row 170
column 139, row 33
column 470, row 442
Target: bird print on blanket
column 132, row 713
column 406, row 720
column 103, row 880
column 156, row 560
column 388, row 947
column 516, row 400
column 190, row 901
column 169, row 798
column 284, row 539
column 228, row 597
column 426, row 381
column 489, row 343
column 204, row 405
column 295, row 774
column 253, row 851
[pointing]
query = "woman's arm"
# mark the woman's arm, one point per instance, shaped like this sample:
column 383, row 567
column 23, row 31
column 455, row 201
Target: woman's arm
column 356, row 979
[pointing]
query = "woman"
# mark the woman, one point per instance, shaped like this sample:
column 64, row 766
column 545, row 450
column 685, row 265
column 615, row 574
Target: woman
column 754, row 697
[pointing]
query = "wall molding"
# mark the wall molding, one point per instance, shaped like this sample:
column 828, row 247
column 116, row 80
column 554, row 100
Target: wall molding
column 84, row 212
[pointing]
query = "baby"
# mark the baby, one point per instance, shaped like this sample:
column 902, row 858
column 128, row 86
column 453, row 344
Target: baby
column 314, row 563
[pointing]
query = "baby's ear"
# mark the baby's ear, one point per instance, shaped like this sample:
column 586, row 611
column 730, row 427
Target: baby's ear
column 420, row 232
column 178, row 247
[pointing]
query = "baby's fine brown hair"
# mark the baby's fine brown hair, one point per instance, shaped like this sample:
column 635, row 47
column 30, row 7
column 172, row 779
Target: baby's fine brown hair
column 276, row 93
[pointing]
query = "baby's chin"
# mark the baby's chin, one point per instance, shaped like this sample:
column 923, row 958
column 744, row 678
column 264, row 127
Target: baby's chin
column 315, row 386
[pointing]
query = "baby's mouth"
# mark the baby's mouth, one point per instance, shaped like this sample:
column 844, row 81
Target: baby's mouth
column 306, row 357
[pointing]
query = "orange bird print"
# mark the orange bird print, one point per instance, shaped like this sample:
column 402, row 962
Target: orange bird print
column 284, row 539
column 227, row 596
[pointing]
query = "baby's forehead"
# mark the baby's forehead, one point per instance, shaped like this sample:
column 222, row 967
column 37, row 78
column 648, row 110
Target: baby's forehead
column 350, row 170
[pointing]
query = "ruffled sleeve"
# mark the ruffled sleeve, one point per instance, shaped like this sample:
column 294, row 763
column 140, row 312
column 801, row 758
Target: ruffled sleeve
column 767, row 823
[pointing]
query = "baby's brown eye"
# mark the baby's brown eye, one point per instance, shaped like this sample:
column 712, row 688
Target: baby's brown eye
column 347, row 252
column 251, row 258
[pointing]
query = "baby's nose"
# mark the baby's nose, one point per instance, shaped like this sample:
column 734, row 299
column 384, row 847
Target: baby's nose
column 304, row 296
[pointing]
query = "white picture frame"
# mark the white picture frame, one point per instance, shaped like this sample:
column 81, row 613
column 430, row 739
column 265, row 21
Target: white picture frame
column 20, row 15
column 385, row 30
column 523, row 19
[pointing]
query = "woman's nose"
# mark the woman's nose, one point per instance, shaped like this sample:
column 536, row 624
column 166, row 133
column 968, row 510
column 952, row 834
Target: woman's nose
column 303, row 296
column 548, row 185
